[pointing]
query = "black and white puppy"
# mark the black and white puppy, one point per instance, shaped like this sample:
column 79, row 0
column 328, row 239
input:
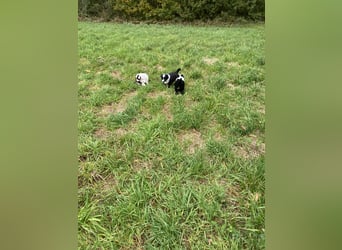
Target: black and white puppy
column 180, row 85
column 169, row 78
column 141, row 79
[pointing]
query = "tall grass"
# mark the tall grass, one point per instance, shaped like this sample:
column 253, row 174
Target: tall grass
column 160, row 171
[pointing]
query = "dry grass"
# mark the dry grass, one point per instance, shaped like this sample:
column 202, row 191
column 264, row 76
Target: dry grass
column 160, row 68
column 250, row 148
column 84, row 61
column 192, row 140
column 139, row 164
column 210, row 61
column 157, row 94
column 119, row 132
column 108, row 184
column 233, row 65
column 116, row 74
column 102, row 133
column 167, row 112
column 117, row 107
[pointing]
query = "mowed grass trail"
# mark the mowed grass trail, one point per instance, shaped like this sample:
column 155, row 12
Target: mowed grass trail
column 165, row 171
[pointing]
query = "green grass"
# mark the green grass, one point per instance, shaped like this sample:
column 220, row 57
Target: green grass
column 160, row 171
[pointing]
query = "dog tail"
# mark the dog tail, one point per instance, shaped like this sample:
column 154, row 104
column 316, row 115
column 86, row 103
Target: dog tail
column 178, row 70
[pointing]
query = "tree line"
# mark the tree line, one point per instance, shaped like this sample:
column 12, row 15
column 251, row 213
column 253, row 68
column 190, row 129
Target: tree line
column 173, row 10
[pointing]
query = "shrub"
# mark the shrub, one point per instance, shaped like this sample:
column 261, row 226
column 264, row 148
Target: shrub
column 172, row 10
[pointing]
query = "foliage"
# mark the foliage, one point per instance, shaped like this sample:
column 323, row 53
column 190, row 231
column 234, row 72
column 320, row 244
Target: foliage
column 175, row 10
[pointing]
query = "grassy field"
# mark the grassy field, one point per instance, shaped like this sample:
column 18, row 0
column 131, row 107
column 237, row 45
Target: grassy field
column 165, row 171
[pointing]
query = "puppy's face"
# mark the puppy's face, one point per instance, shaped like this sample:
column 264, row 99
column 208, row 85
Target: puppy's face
column 138, row 78
column 164, row 78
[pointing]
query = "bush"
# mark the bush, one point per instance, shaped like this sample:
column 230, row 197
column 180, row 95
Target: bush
column 171, row 10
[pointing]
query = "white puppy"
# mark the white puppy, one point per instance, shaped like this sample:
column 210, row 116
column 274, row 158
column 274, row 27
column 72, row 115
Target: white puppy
column 141, row 79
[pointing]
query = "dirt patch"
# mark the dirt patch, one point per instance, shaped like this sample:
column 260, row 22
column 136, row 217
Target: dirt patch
column 218, row 136
column 84, row 61
column 139, row 164
column 144, row 68
column 256, row 197
column 117, row 107
column 210, row 61
column 160, row 68
column 157, row 94
column 116, row 74
column 192, row 140
column 95, row 176
column 82, row 82
column 262, row 110
column 145, row 114
column 232, row 191
column 231, row 86
column 120, row 132
column 233, row 65
column 112, row 109
column 108, row 184
column 94, row 87
column 102, row 133
column 190, row 102
column 167, row 112
column 250, row 149
column 233, row 203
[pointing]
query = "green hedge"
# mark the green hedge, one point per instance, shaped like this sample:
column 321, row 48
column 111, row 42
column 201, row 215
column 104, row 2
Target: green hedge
column 173, row 10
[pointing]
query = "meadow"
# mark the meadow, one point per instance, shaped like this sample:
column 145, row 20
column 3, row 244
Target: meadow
column 165, row 171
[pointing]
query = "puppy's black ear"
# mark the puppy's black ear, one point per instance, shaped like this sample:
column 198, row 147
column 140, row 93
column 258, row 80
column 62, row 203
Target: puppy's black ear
column 178, row 70
column 161, row 77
